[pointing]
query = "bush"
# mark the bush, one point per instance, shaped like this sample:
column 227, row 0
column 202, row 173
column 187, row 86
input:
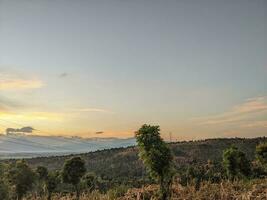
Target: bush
column 261, row 153
column 235, row 163
column 3, row 191
column 117, row 192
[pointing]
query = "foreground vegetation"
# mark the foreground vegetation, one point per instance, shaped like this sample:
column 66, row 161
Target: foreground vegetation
column 241, row 190
column 208, row 169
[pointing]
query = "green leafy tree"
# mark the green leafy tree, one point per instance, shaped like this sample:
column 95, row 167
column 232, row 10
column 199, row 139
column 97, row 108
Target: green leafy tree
column 236, row 163
column 51, row 183
column 21, row 178
column 157, row 157
column 261, row 153
column 73, row 171
column 42, row 174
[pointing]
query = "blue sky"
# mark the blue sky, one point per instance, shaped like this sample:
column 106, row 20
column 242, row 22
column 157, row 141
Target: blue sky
column 78, row 67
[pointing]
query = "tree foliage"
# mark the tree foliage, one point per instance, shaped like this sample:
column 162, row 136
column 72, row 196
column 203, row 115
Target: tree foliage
column 73, row 171
column 21, row 177
column 261, row 153
column 51, row 183
column 42, row 174
column 236, row 163
column 156, row 156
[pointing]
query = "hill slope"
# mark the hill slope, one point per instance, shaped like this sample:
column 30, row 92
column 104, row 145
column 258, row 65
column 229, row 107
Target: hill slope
column 123, row 163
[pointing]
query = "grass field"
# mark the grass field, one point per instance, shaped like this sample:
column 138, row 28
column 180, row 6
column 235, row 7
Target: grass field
column 239, row 190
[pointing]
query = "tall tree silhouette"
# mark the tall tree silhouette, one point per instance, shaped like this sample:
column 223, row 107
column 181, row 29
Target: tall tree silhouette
column 156, row 156
column 73, row 171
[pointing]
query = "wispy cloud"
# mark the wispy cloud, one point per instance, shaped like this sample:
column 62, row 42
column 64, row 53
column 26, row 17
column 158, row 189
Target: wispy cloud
column 256, row 124
column 32, row 116
column 239, row 113
column 91, row 110
column 7, row 104
column 14, row 82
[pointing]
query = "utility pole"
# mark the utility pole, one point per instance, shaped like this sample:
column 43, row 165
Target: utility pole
column 170, row 134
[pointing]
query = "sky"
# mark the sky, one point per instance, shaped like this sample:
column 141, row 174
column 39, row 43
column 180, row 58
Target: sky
column 102, row 68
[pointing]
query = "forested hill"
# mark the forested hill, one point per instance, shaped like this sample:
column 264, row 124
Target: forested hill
column 124, row 162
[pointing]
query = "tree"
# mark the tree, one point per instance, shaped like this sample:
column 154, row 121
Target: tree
column 261, row 153
column 42, row 174
column 21, row 177
column 156, row 156
column 235, row 163
column 3, row 191
column 73, row 171
column 51, row 183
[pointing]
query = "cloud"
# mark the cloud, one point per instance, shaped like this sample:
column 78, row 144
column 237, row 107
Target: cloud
column 99, row 132
column 91, row 110
column 63, row 75
column 239, row 113
column 6, row 104
column 22, row 130
column 14, row 82
column 32, row 116
column 256, row 124
column 258, row 104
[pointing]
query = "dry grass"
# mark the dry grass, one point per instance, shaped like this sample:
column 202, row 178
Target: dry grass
column 95, row 195
column 253, row 190
column 256, row 190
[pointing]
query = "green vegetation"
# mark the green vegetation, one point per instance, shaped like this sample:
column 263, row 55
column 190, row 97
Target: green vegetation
column 3, row 190
column 236, row 163
column 73, row 171
column 20, row 177
column 51, row 183
column 90, row 182
column 207, row 169
column 261, row 153
column 156, row 156
column 42, row 174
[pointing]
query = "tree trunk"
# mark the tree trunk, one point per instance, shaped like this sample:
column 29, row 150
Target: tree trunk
column 77, row 192
column 163, row 192
column 49, row 196
column 19, row 197
column 165, row 189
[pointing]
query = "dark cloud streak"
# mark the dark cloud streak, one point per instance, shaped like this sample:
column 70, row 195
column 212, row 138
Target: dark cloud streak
column 23, row 130
column 63, row 75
